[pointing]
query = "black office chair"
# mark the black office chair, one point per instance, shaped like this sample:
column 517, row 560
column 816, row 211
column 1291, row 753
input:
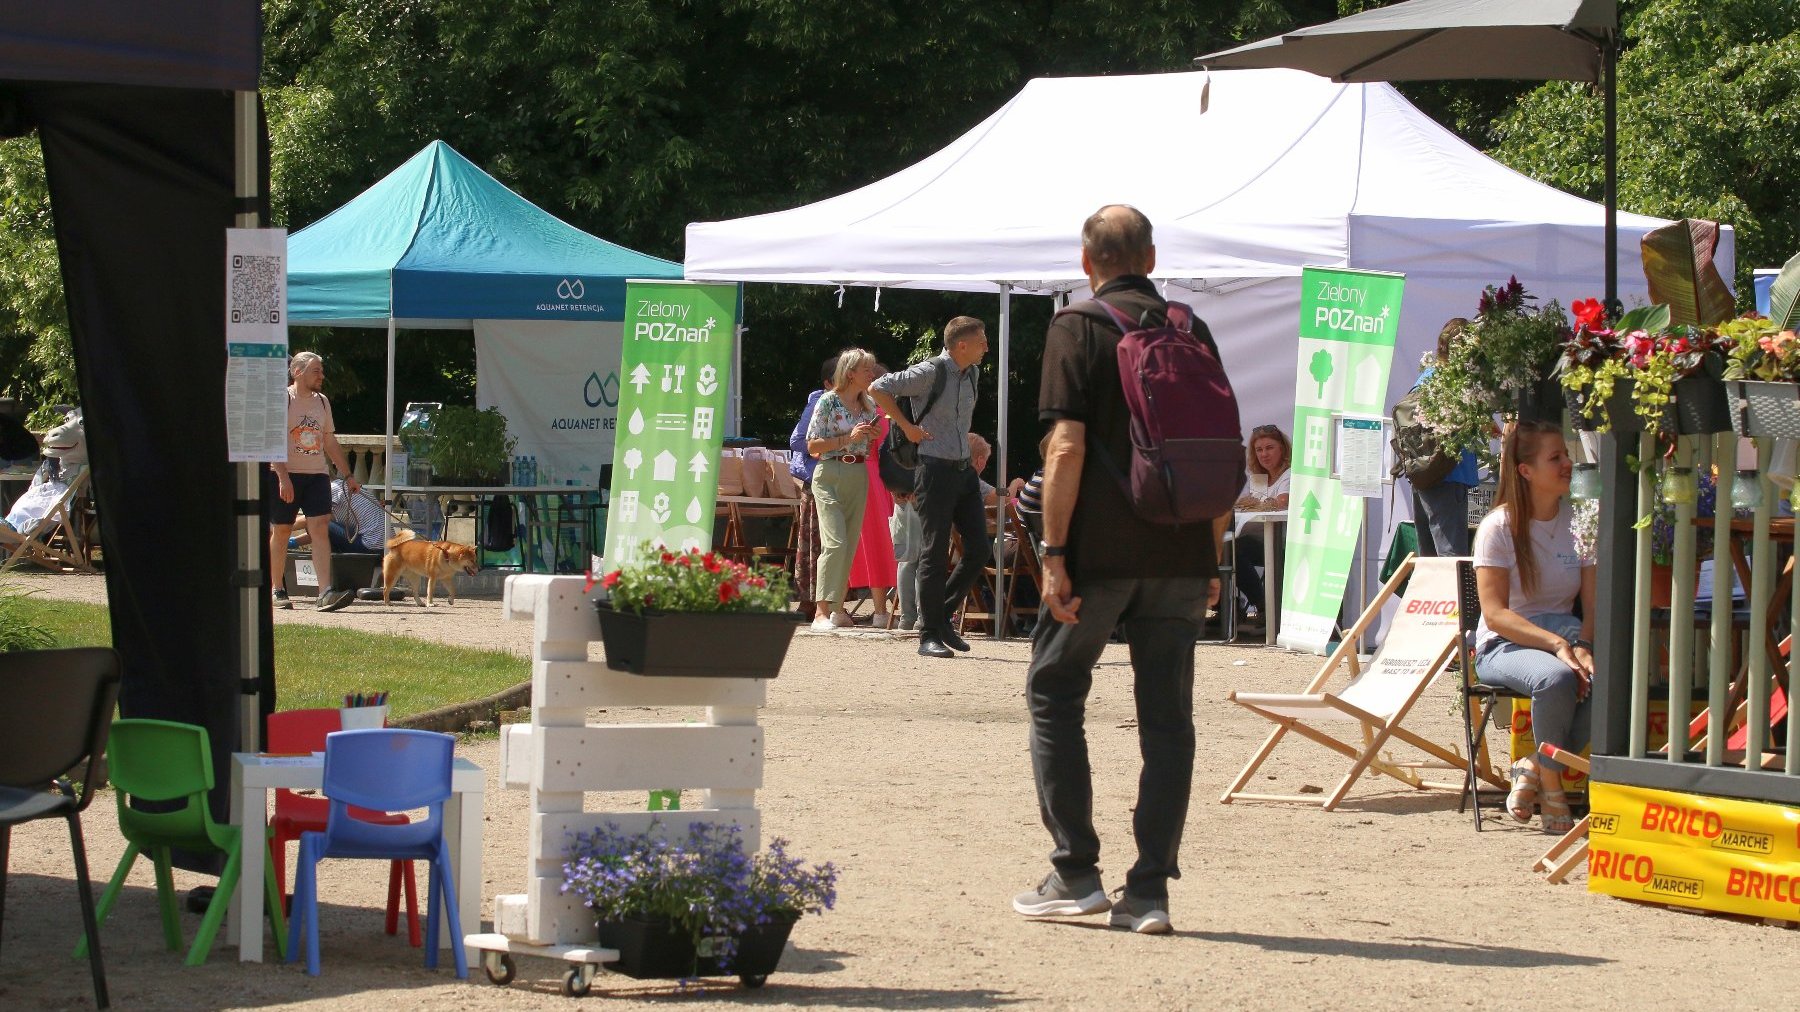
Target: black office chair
column 67, row 699
column 1473, row 689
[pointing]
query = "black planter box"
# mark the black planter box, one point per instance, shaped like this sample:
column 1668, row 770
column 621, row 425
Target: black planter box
column 655, row 950
column 687, row 644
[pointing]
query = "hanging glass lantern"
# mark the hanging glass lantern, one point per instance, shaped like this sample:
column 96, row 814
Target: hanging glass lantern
column 1678, row 486
column 1746, row 491
column 1586, row 482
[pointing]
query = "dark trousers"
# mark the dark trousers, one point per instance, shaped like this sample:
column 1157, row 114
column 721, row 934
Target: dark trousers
column 1161, row 620
column 1441, row 519
column 948, row 496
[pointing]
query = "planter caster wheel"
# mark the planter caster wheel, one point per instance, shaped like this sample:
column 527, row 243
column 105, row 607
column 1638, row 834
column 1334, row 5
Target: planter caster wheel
column 754, row 979
column 576, row 982
column 499, row 968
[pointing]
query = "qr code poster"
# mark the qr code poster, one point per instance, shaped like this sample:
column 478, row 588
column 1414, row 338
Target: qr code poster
column 256, row 344
column 256, row 284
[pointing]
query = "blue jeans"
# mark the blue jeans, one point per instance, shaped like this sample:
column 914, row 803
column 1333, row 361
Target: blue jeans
column 1161, row 618
column 1557, row 717
column 1441, row 518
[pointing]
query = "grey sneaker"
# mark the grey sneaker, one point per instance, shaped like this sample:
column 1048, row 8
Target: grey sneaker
column 332, row 600
column 282, row 602
column 1144, row 916
column 1056, row 898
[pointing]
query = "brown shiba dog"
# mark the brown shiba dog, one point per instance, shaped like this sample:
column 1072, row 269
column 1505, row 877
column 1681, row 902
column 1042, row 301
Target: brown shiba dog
column 426, row 562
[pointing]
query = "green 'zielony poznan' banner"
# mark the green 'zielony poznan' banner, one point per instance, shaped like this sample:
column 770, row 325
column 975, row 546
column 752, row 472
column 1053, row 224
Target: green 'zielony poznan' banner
column 674, row 380
column 1348, row 320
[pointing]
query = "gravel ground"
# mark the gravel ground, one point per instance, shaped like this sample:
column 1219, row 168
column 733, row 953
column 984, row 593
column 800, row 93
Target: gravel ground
column 913, row 776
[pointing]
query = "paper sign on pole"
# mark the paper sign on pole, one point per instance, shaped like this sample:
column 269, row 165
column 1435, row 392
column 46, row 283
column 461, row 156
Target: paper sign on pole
column 1358, row 455
column 1348, row 320
column 675, row 381
column 256, row 344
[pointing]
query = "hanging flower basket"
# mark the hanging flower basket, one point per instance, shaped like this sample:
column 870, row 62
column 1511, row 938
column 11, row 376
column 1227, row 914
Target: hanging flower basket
column 1766, row 409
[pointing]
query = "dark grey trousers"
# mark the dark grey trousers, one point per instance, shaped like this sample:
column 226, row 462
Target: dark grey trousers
column 1161, row 620
column 949, row 497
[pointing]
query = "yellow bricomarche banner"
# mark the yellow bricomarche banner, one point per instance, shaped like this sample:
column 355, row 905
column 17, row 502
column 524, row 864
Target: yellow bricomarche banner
column 1740, row 857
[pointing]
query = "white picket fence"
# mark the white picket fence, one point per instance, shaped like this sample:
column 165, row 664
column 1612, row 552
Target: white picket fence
column 559, row 754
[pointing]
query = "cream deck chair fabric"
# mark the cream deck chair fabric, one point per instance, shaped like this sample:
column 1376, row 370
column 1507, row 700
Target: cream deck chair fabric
column 64, row 518
column 1417, row 649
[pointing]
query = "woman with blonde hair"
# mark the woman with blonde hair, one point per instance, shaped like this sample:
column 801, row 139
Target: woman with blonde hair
column 1271, row 457
column 841, row 435
column 1529, row 576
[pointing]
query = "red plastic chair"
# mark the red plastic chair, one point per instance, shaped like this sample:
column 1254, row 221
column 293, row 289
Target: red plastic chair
column 305, row 731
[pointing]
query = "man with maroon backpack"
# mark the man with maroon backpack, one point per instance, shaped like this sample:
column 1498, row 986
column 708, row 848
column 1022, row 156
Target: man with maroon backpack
column 1106, row 565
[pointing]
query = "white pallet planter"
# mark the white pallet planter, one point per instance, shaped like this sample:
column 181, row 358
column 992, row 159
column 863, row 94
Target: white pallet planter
column 559, row 756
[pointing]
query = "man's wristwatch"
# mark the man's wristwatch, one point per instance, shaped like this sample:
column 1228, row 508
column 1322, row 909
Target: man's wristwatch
column 1050, row 551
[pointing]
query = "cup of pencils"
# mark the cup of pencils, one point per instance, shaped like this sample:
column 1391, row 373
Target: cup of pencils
column 363, row 710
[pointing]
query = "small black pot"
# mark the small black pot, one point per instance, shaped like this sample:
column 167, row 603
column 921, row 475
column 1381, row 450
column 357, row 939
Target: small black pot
column 1702, row 403
column 690, row 644
column 649, row 949
column 1541, row 402
column 759, row 950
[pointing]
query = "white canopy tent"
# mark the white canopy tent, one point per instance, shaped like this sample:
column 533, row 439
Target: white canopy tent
column 1247, row 176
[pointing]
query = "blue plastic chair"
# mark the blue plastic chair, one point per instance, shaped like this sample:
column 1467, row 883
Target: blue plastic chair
column 388, row 770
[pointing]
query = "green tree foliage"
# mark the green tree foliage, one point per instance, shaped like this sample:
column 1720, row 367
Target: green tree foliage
column 37, row 363
column 631, row 118
column 1709, row 102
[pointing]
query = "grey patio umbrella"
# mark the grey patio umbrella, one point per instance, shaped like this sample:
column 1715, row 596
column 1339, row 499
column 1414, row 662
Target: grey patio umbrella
column 1432, row 40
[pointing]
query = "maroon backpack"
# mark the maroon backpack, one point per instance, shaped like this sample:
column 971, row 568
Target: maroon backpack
column 1187, row 447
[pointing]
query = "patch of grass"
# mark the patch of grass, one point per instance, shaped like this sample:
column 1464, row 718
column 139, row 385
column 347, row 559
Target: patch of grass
column 318, row 665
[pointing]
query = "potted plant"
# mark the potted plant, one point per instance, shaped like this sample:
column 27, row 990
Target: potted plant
column 1591, row 364
column 1662, row 521
column 470, row 446
column 694, row 614
column 696, row 905
column 1503, row 361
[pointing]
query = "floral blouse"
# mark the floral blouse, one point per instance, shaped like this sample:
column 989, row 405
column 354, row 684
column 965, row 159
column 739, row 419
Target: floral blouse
column 832, row 418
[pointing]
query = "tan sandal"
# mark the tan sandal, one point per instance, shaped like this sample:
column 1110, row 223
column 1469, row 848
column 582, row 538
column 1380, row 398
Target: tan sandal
column 1523, row 799
column 1553, row 807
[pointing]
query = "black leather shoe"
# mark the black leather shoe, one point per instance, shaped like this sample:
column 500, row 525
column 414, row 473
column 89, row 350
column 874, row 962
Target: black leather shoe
column 954, row 641
column 931, row 646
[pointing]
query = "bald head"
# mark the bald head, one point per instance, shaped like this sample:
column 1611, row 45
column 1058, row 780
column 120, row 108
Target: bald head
column 1117, row 240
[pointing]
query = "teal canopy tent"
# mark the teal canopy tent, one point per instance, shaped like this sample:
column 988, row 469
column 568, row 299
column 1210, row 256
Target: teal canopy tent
column 438, row 244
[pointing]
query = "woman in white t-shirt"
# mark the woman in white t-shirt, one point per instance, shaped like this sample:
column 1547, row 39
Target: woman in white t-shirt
column 1529, row 576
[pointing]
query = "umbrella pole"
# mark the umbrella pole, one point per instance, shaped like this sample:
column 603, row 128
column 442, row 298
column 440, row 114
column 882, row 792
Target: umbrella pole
column 1610, row 88
column 387, row 431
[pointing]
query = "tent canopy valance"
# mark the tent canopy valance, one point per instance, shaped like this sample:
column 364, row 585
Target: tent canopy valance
column 438, row 243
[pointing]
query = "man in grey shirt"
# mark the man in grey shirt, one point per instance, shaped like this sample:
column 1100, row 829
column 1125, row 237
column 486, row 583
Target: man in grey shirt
column 946, row 489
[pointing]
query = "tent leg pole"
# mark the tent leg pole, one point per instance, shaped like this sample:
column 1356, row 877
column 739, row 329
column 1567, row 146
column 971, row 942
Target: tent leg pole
column 252, row 581
column 387, row 427
column 998, row 609
column 1610, row 87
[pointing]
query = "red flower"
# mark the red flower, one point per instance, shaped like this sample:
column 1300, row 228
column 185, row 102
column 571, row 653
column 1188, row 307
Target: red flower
column 1589, row 313
column 711, row 562
column 685, row 560
column 667, row 558
column 610, row 580
column 727, row 591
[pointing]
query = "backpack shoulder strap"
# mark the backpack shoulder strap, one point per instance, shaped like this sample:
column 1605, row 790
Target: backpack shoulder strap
column 1095, row 309
column 938, row 382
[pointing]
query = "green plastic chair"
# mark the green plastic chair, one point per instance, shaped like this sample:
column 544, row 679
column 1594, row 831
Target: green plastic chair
column 162, row 761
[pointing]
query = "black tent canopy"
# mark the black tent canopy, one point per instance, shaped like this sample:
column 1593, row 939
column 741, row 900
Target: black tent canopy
column 134, row 107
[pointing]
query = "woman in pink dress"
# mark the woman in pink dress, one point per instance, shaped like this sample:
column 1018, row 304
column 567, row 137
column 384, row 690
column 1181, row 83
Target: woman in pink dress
column 873, row 566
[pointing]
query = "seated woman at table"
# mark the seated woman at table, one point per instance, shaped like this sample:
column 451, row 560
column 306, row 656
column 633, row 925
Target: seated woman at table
column 841, row 435
column 1270, row 457
column 1529, row 575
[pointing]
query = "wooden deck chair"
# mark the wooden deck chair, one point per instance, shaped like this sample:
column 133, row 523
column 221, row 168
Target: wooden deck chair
column 1417, row 649
column 61, row 539
column 1569, row 849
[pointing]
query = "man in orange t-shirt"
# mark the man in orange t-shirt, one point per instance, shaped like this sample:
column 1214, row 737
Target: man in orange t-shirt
column 303, row 484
